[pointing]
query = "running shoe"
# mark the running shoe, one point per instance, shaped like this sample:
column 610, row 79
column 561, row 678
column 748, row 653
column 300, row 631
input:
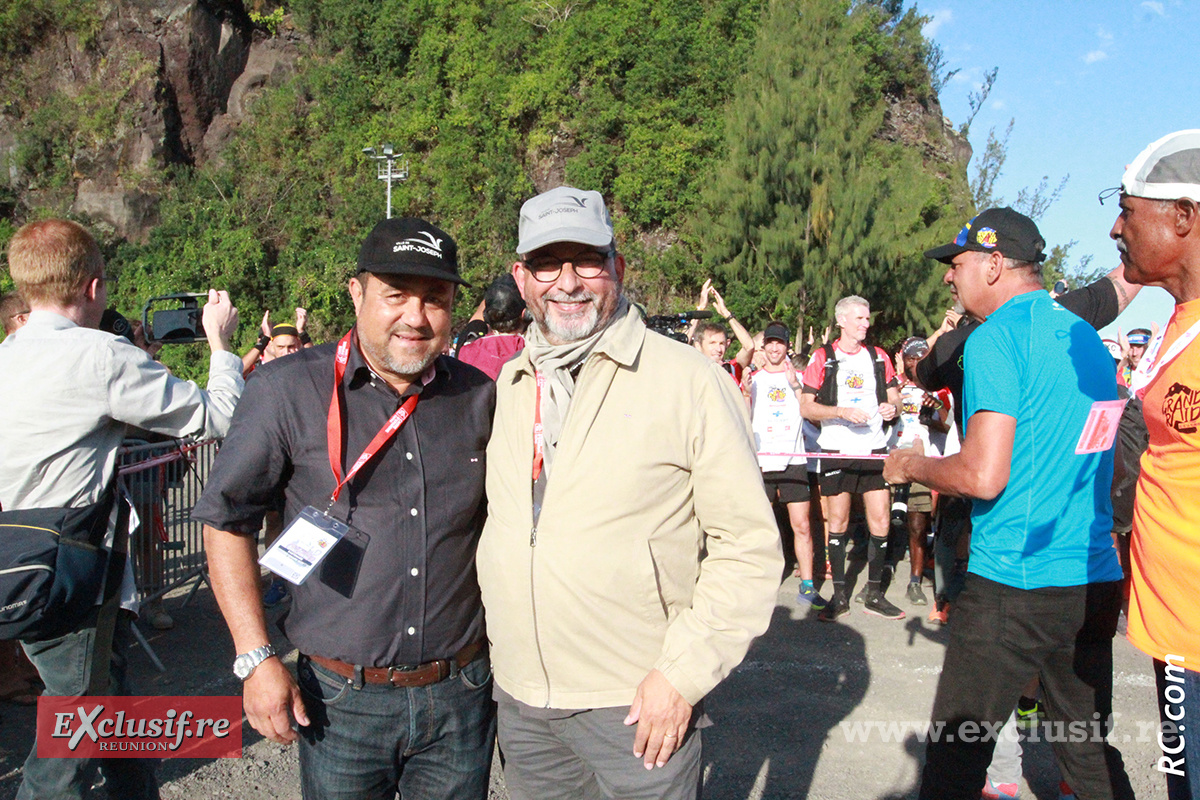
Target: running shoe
column 1000, row 791
column 809, row 595
column 861, row 597
column 276, row 593
column 940, row 616
column 836, row 607
column 877, row 605
column 915, row 595
column 1028, row 712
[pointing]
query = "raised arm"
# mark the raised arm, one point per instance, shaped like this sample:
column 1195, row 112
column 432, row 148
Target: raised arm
column 743, row 336
column 701, row 304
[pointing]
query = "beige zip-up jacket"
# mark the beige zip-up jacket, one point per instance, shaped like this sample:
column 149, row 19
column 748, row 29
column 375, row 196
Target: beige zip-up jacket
column 656, row 546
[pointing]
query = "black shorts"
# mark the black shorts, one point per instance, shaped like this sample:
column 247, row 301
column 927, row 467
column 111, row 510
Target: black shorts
column 789, row 485
column 840, row 475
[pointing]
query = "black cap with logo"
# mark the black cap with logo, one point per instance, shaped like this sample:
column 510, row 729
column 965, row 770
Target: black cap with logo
column 410, row 246
column 1000, row 230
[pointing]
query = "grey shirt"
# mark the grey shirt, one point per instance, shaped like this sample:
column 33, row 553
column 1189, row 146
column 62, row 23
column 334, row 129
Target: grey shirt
column 68, row 393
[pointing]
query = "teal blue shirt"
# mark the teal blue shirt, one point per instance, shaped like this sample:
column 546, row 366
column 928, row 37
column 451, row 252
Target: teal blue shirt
column 1040, row 364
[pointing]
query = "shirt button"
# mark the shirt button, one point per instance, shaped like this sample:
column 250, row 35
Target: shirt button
column 408, row 456
column 415, row 572
column 411, row 631
column 412, row 511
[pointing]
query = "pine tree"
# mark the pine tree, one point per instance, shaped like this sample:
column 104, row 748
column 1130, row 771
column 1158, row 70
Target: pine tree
column 810, row 198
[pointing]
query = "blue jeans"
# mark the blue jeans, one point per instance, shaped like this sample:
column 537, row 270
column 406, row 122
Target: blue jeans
column 1179, row 708
column 65, row 665
column 427, row 743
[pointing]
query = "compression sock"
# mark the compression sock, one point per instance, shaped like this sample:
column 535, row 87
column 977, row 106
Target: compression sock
column 837, row 558
column 877, row 552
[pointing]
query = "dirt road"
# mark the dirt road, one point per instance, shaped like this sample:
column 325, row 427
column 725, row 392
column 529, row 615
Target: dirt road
column 806, row 715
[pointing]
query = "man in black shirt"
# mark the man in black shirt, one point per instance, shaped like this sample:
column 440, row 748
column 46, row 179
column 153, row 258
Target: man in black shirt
column 393, row 671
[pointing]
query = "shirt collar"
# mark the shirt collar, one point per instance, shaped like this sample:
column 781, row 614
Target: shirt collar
column 49, row 319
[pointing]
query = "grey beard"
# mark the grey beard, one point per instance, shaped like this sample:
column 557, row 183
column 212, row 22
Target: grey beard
column 406, row 369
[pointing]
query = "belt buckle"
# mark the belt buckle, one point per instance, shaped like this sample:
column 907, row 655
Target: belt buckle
column 391, row 672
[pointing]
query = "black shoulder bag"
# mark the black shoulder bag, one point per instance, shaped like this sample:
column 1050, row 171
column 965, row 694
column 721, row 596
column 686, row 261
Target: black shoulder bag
column 54, row 566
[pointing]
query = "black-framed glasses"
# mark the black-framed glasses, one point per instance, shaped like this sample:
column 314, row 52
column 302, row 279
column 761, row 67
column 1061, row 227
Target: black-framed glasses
column 1107, row 193
column 110, row 282
column 588, row 264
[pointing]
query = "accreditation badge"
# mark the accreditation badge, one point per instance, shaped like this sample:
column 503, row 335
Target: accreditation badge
column 304, row 544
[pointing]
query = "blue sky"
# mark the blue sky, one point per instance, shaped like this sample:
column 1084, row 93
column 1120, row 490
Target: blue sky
column 1089, row 85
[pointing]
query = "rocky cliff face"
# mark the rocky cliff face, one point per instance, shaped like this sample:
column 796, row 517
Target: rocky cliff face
column 922, row 124
column 93, row 124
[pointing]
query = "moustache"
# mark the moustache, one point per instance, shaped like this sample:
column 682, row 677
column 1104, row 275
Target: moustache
column 408, row 330
column 578, row 296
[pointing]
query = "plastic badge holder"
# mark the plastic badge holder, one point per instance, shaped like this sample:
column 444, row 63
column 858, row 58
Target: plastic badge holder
column 303, row 545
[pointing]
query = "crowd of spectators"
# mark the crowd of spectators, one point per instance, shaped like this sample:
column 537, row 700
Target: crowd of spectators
column 1036, row 483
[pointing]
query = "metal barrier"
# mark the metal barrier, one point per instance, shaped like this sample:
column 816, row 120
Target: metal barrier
column 164, row 480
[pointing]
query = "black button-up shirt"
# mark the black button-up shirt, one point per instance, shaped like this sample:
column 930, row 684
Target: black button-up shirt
column 404, row 592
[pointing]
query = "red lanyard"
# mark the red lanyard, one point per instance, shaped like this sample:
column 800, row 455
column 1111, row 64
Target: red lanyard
column 539, row 441
column 333, row 426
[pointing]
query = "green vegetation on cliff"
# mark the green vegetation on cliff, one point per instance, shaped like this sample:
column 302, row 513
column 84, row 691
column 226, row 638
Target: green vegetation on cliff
column 741, row 138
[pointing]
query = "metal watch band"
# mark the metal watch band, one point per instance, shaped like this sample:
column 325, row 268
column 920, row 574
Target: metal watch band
column 245, row 664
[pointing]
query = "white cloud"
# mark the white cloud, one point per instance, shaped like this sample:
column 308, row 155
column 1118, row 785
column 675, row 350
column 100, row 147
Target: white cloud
column 999, row 105
column 938, row 19
column 1154, row 6
column 1099, row 54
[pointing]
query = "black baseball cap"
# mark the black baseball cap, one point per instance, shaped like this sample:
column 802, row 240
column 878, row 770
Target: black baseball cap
column 1000, row 230
column 777, row 330
column 410, row 246
column 915, row 347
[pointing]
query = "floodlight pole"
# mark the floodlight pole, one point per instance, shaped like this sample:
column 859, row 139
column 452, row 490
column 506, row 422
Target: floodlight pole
column 387, row 170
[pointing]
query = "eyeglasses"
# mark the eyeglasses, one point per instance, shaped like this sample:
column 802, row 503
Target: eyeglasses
column 588, row 264
column 1107, row 193
column 110, row 282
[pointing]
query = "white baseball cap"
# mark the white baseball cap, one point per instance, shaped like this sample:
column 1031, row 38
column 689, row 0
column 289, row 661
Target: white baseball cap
column 1166, row 170
column 565, row 214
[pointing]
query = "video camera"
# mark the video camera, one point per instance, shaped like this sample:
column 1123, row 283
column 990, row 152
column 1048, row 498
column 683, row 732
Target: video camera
column 674, row 326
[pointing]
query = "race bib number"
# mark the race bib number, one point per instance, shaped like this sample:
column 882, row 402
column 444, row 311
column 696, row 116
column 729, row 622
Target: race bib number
column 1100, row 429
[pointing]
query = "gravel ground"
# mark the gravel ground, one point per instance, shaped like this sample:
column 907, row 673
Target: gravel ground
column 780, row 721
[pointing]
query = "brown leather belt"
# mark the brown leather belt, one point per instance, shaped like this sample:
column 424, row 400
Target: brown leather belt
column 403, row 677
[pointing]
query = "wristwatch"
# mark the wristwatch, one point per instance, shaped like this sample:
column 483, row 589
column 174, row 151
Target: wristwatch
column 243, row 665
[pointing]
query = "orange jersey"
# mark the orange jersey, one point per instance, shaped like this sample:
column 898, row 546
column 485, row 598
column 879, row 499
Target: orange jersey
column 1164, row 609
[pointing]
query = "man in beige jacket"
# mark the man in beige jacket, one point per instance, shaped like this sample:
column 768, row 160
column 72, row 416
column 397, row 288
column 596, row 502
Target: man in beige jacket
column 630, row 556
